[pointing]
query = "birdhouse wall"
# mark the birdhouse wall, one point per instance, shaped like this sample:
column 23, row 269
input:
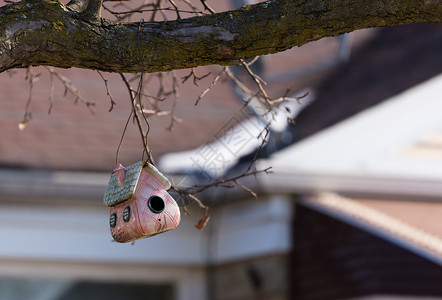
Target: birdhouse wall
column 148, row 185
column 144, row 221
column 169, row 218
column 130, row 230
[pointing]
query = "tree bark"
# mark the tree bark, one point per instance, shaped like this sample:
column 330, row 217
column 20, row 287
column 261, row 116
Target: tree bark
column 45, row 32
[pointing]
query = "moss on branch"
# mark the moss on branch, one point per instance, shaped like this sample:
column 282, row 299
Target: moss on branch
column 45, row 32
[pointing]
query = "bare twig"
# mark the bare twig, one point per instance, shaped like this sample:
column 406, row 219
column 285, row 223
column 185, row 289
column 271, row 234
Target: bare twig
column 71, row 88
column 214, row 81
column 51, row 92
column 186, row 193
column 107, row 91
column 255, row 76
column 157, row 7
column 162, row 91
column 121, row 15
column 207, row 7
column 224, row 182
column 254, row 60
column 151, row 112
column 191, row 192
column 266, row 132
column 259, row 83
column 195, row 77
column 203, row 222
column 173, row 118
column 150, row 97
column 246, row 189
column 175, row 7
column 297, row 99
column 31, row 77
column 238, row 82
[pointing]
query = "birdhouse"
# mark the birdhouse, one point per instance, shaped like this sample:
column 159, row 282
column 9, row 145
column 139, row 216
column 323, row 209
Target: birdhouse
column 140, row 205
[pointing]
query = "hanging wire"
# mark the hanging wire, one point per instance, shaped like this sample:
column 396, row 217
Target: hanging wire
column 146, row 150
column 122, row 137
column 137, row 107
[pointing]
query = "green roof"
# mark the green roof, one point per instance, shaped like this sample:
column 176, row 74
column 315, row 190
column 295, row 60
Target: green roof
column 118, row 194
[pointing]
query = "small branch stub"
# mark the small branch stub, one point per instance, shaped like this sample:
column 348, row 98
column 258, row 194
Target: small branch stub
column 203, row 222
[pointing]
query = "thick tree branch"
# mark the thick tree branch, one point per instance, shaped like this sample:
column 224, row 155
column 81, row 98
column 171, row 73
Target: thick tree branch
column 44, row 32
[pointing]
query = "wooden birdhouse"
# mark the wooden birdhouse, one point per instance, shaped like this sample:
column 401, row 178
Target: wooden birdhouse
column 140, row 205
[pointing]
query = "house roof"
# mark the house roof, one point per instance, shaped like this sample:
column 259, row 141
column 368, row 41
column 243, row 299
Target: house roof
column 371, row 145
column 352, row 134
column 72, row 138
column 339, row 253
column 394, row 60
column 413, row 225
column 116, row 194
column 369, row 150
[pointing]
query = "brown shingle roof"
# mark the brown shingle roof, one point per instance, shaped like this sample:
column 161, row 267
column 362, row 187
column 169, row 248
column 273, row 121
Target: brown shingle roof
column 72, row 138
column 396, row 59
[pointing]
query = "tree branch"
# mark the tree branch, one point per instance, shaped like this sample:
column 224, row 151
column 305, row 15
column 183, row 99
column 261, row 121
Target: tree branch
column 45, row 32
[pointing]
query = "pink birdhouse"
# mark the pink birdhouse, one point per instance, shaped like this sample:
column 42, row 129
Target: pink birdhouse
column 140, row 205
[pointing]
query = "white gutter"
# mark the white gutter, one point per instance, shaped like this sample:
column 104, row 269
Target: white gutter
column 310, row 182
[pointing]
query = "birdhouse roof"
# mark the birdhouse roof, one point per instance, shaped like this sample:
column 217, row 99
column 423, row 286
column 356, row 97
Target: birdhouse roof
column 116, row 194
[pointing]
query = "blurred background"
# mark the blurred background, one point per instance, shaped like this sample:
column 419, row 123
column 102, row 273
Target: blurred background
column 351, row 209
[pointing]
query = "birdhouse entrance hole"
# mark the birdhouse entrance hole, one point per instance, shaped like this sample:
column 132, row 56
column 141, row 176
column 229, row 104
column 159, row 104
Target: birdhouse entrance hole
column 156, row 204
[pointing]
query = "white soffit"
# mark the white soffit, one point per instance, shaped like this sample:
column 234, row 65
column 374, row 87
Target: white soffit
column 371, row 143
